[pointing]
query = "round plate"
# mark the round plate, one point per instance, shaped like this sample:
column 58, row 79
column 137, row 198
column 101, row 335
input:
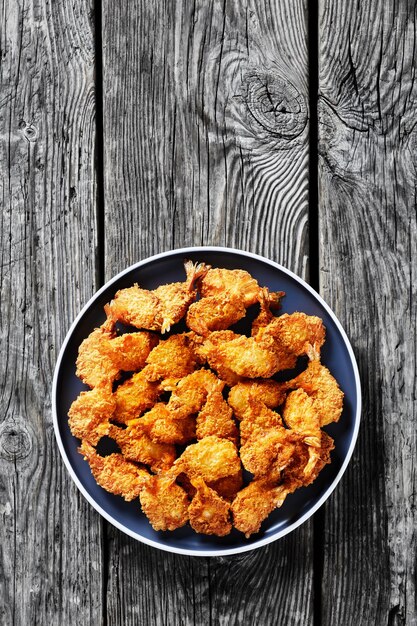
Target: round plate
column 337, row 355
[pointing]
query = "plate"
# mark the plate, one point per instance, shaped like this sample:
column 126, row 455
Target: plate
column 337, row 355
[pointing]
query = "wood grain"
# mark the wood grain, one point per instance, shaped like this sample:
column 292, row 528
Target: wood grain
column 205, row 118
column 49, row 537
column 368, row 242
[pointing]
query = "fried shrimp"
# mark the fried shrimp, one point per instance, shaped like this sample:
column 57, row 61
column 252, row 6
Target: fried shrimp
column 189, row 395
column 134, row 396
column 171, row 360
column 268, row 391
column 161, row 426
column 216, row 418
column 137, row 446
column 160, row 308
column 164, row 503
column 209, row 513
column 212, row 313
column 114, row 473
column 323, row 389
column 94, row 363
column 254, row 503
column 90, row 413
column 211, row 458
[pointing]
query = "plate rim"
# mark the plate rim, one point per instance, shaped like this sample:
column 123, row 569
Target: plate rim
column 201, row 552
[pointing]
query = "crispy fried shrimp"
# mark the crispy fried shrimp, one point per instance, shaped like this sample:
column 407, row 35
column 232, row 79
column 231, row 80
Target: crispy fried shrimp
column 162, row 427
column 265, row 316
column 135, row 396
column 94, row 363
column 211, row 458
column 160, row 308
column 137, row 446
column 254, row 503
column 300, row 415
column 297, row 332
column 209, row 513
column 258, row 417
column 323, row 389
column 268, row 452
column 130, row 351
column 164, row 503
column 171, row 360
column 219, row 282
column 90, row 413
column 268, row 391
column 189, row 395
column 214, row 313
column 216, row 418
column 114, row 473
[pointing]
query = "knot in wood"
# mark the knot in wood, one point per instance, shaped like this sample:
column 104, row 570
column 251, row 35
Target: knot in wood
column 15, row 442
column 275, row 104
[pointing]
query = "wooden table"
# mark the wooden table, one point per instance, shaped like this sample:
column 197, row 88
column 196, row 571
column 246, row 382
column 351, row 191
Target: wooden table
column 287, row 129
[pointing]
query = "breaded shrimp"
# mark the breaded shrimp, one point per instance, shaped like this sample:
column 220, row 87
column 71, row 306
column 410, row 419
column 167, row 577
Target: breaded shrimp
column 267, row 452
column 171, row 360
column 254, row 503
column 300, row 415
column 94, row 363
column 134, row 396
column 216, row 418
column 137, row 446
column 164, row 503
column 162, row 427
column 189, row 395
column 214, row 313
column 114, row 473
column 220, row 283
column 268, row 391
column 323, row 389
column 258, row 417
column 265, row 316
column 130, row 351
column 160, row 308
column 297, row 332
column 228, row 486
column 209, row 513
column 211, row 458
column 90, row 413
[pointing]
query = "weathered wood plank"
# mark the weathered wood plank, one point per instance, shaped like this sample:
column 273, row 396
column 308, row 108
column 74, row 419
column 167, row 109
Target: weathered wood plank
column 50, row 538
column 367, row 133
column 206, row 142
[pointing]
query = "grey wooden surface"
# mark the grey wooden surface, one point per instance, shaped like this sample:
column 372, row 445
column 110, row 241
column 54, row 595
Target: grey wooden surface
column 286, row 129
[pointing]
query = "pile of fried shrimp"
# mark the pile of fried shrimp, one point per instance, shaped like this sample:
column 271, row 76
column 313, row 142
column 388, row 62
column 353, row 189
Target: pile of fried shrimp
column 205, row 434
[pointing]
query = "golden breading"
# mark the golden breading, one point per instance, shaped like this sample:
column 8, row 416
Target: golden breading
column 137, row 446
column 135, row 396
column 171, row 360
column 266, row 300
column 215, row 418
column 214, row 313
column 114, row 473
column 228, row 486
column 300, row 415
column 318, row 458
column 160, row 308
column 254, row 503
column 162, row 427
column 94, row 363
column 206, row 352
column 246, row 357
column 268, row 391
column 189, row 395
column 219, row 282
column 211, row 458
column 267, row 452
column 90, row 413
column 322, row 387
column 297, row 332
column 209, row 513
column 258, row 417
column 164, row 503
column 130, row 351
